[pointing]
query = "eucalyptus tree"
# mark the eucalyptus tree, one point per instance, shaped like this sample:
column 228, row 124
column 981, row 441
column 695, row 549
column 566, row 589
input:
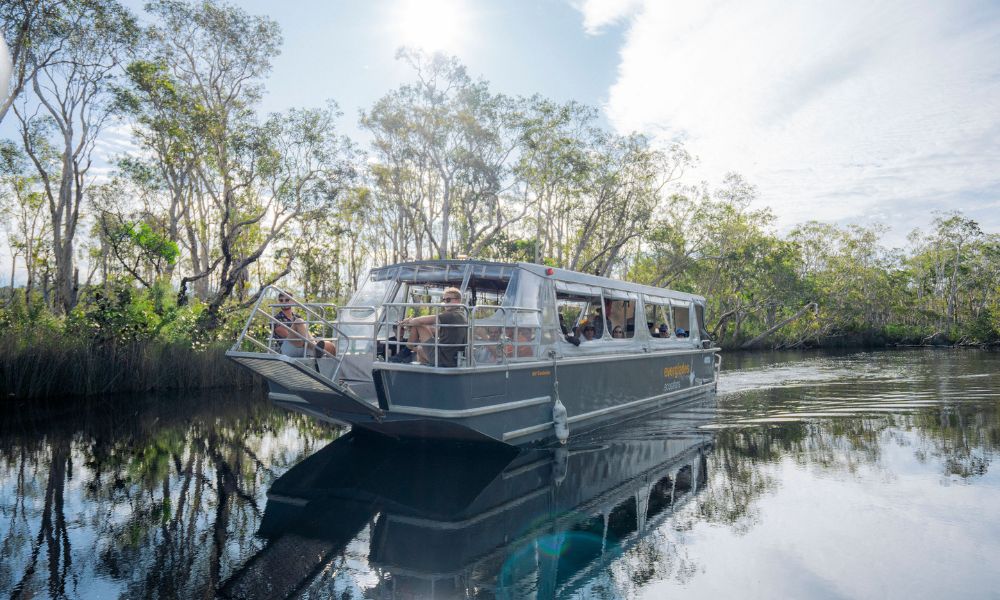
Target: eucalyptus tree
column 623, row 185
column 858, row 283
column 954, row 268
column 30, row 28
column 302, row 164
column 27, row 225
column 332, row 244
column 197, row 90
column 489, row 200
column 131, row 237
column 443, row 149
column 71, row 104
column 715, row 243
column 551, row 165
column 165, row 125
column 951, row 243
column 416, row 137
column 674, row 242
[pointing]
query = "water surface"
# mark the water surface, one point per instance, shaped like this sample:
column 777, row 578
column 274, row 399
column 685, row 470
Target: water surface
column 855, row 475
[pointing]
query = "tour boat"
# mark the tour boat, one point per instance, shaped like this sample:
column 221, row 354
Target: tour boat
column 517, row 367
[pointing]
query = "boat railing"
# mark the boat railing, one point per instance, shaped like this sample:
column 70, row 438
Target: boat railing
column 316, row 332
column 495, row 335
column 502, row 334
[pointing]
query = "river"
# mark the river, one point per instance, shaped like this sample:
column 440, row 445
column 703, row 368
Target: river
column 859, row 475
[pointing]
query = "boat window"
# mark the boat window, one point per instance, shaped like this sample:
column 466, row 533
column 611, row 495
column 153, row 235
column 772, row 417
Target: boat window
column 621, row 313
column 698, row 327
column 572, row 310
column 484, row 295
column 372, row 293
column 658, row 317
column 682, row 319
column 580, row 311
column 682, row 480
column 447, row 274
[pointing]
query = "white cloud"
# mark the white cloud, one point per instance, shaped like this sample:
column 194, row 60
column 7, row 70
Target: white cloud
column 838, row 111
column 600, row 13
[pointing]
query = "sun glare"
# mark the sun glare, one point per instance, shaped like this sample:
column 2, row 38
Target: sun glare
column 432, row 25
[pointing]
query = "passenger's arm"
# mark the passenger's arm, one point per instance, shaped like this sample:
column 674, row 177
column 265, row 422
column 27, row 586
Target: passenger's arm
column 425, row 320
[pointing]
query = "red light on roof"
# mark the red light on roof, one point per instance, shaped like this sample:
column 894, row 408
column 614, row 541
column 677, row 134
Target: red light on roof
column 550, row 271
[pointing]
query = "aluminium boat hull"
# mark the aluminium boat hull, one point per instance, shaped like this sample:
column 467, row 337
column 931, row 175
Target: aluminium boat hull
column 510, row 404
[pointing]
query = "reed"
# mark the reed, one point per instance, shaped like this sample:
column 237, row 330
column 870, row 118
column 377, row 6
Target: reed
column 55, row 366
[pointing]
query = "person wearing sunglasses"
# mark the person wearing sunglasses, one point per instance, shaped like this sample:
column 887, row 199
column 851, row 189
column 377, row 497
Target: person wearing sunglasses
column 451, row 338
column 291, row 334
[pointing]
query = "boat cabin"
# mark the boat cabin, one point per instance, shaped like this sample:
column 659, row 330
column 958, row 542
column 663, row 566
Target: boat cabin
column 518, row 312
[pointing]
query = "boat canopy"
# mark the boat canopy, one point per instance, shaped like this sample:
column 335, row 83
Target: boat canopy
column 530, row 305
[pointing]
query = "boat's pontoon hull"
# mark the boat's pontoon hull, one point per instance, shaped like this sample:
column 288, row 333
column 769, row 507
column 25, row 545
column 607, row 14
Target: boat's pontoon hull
column 508, row 404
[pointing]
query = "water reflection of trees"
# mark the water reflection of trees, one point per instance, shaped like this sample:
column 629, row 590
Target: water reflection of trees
column 963, row 437
column 161, row 497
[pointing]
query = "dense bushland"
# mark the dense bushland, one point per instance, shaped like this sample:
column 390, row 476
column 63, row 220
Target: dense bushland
column 116, row 340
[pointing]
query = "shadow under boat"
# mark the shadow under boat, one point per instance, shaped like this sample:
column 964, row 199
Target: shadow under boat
column 443, row 520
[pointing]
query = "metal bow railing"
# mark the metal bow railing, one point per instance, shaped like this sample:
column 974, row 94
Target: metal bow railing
column 492, row 334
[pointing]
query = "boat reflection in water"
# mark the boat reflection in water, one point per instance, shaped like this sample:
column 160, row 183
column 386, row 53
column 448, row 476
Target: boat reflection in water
column 453, row 522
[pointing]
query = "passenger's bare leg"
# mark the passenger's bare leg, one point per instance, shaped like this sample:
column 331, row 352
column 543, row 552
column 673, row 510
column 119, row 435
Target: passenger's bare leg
column 419, row 336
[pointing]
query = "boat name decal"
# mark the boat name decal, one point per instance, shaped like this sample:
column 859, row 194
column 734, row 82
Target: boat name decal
column 677, row 371
column 541, row 373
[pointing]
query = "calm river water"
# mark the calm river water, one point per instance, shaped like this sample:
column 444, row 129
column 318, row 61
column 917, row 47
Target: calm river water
column 861, row 475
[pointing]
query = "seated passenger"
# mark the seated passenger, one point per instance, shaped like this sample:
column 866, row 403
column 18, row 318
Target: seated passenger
column 525, row 343
column 664, row 330
column 617, row 333
column 487, row 339
column 293, row 337
column 600, row 319
column 681, row 333
column 450, row 340
column 588, row 333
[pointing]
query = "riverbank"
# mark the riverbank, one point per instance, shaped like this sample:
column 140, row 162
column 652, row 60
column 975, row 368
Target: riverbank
column 49, row 368
column 869, row 340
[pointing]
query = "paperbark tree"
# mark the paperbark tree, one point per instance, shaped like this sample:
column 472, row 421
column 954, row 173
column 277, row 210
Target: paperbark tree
column 70, row 106
column 624, row 180
column 30, row 29
column 27, row 225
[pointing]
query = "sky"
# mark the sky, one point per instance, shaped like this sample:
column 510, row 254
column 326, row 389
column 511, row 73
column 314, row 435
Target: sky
column 855, row 111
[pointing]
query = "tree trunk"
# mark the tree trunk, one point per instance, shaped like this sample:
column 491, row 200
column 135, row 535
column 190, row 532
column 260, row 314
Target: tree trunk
column 812, row 305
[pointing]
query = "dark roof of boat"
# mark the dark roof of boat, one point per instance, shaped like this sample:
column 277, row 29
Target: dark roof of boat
column 557, row 274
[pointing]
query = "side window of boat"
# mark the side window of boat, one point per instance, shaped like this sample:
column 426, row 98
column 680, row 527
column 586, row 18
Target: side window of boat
column 579, row 307
column 621, row 313
column 658, row 318
column 572, row 311
column 682, row 319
